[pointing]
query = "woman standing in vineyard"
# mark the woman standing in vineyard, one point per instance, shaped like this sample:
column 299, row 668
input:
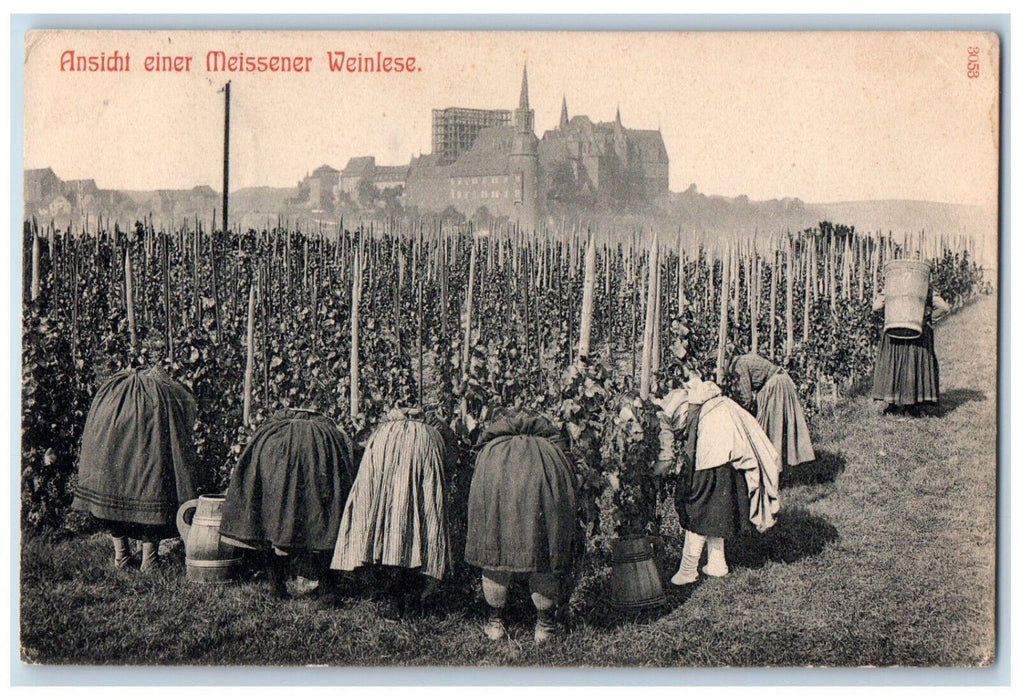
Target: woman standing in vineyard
column 394, row 517
column 768, row 392
column 137, row 462
column 729, row 471
column 521, row 516
column 906, row 375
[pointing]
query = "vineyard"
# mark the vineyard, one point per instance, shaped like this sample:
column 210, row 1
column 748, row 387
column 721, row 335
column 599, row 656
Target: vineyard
column 582, row 326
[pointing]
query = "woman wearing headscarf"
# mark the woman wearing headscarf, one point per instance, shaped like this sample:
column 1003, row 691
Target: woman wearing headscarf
column 768, row 391
column 728, row 474
column 137, row 463
column 394, row 517
column 906, row 374
column 287, row 491
column 522, row 516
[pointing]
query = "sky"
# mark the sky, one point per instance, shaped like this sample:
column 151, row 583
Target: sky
column 822, row 117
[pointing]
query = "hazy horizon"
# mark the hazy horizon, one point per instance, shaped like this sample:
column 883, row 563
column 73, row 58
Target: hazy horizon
column 235, row 190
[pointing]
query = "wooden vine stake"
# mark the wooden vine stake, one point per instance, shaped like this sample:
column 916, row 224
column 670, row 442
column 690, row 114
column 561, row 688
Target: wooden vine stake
column 772, row 301
column 753, row 298
column 216, row 284
column 586, row 298
column 788, row 345
column 421, row 363
column 468, row 310
column 721, row 344
column 680, row 276
column 74, row 299
column 809, row 289
column 246, row 414
column 356, row 297
column 635, row 303
column 444, row 302
column 129, row 298
column 168, row 318
column 657, row 321
column 650, row 318
column 35, row 265
column 196, row 253
column 54, row 267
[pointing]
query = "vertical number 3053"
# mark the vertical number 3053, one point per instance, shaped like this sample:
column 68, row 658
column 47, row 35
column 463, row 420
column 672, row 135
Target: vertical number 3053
column 972, row 61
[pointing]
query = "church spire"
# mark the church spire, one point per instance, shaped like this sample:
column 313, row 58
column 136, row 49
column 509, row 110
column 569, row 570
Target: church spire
column 523, row 102
column 618, row 116
column 524, row 117
column 563, row 113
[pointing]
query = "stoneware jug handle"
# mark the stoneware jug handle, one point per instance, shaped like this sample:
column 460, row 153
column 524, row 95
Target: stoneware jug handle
column 184, row 516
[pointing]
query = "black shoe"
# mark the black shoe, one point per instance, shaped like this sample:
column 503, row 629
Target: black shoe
column 278, row 583
column 132, row 561
column 391, row 609
column 326, row 592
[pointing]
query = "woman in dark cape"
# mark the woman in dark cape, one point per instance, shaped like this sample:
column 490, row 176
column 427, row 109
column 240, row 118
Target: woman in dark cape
column 521, row 515
column 137, row 462
column 906, row 374
column 287, row 491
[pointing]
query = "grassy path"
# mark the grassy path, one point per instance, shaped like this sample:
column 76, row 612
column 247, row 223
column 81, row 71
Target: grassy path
column 884, row 555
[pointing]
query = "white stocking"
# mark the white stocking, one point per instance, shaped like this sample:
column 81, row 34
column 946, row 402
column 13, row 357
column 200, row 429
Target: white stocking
column 717, row 564
column 690, row 556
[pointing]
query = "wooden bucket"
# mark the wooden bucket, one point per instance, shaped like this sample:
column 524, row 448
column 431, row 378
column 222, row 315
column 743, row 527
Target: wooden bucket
column 208, row 558
column 907, row 286
column 634, row 581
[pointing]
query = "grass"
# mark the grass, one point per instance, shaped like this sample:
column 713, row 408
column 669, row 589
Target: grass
column 884, row 555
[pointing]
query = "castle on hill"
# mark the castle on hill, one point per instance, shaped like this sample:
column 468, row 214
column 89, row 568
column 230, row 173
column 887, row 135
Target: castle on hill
column 492, row 160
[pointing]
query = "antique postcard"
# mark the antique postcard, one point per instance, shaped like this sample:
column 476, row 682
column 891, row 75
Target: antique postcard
column 489, row 349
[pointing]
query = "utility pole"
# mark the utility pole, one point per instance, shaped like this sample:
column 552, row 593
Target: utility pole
column 226, row 155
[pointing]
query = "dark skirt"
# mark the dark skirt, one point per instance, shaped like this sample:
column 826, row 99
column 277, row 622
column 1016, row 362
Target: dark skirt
column 906, row 371
column 782, row 418
column 717, row 504
column 289, row 486
column 137, row 462
column 521, row 506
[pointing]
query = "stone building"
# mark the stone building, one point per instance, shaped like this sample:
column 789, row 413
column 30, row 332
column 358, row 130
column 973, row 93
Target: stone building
column 499, row 172
column 507, row 171
column 584, row 161
column 354, row 171
column 322, row 185
column 41, row 184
